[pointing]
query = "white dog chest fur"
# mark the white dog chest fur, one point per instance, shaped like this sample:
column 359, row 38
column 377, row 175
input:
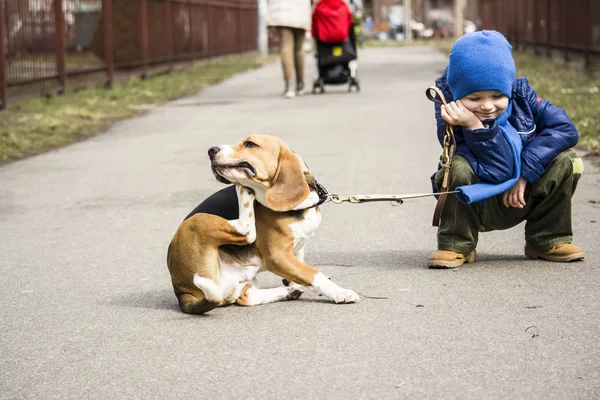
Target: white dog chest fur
column 233, row 277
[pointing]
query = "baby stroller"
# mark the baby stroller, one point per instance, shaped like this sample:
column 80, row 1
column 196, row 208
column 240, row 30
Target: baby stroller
column 334, row 34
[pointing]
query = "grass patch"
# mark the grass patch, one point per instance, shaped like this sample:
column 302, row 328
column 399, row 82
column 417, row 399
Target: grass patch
column 567, row 85
column 44, row 122
column 439, row 43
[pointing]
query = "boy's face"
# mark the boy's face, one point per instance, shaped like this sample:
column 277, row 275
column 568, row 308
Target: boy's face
column 489, row 104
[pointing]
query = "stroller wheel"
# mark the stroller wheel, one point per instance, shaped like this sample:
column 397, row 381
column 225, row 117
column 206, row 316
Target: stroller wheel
column 318, row 89
column 318, row 85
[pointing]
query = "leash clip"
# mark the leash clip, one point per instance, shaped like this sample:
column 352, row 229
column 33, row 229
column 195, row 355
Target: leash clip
column 337, row 199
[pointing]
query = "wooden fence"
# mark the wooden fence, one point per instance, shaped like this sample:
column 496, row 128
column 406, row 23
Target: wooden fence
column 567, row 27
column 47, row 43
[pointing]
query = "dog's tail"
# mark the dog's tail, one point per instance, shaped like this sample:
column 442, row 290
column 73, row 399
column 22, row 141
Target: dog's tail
column 212, row 297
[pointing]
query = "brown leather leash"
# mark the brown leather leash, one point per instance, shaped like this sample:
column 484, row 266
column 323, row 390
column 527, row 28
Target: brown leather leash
column 449, row 147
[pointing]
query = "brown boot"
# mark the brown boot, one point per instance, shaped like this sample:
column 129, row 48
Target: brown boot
column 450, row 259
column 560, row 253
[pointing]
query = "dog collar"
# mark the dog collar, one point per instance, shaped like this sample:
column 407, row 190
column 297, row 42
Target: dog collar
column 322, row 193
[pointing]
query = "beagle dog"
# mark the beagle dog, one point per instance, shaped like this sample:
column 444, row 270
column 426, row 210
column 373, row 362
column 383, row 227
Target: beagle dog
column 262, row 222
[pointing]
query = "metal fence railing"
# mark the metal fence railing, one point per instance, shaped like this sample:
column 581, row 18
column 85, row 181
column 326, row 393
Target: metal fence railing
column 570, row 27
column 99, row 37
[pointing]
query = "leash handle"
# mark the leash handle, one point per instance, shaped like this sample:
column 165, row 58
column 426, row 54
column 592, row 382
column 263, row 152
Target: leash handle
column 434, row 94
column 437, row 96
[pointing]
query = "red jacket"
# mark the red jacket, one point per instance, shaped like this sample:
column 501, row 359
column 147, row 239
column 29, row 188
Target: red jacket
column 331, row 21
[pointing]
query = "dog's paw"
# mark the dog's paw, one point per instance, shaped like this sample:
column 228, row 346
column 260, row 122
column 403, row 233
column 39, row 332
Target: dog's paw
column 294, row 293
column 345, row 296
column 246, row 228
column 251, row 235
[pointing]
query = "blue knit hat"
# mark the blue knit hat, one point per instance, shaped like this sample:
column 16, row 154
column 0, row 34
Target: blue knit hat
column 481, row 61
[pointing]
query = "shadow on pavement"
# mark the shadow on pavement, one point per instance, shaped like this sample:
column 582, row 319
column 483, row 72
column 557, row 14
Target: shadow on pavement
column 387, row 259
column 162, row 299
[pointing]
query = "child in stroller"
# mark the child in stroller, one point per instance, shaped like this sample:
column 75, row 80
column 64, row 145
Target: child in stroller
column 334, row 34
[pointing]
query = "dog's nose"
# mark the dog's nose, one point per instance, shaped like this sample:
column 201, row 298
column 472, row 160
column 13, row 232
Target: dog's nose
column 212, row 152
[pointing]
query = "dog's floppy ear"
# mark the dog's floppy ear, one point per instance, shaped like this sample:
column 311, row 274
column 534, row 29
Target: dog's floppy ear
column 289, row 187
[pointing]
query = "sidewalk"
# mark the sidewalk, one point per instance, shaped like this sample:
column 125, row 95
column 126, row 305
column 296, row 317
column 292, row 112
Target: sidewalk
column 89, row 311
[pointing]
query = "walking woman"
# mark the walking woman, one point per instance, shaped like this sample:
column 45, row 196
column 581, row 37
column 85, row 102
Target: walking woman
column 292, row 20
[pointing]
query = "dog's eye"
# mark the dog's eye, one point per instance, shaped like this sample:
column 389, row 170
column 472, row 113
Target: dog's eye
column 248, row 144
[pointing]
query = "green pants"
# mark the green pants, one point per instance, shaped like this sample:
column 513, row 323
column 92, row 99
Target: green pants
column 548, row 209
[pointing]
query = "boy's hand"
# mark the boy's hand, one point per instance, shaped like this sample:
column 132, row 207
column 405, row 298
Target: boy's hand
column 455, row 113
column 515, row 196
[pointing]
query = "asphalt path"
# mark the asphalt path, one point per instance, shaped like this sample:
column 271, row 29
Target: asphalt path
column 88, row 311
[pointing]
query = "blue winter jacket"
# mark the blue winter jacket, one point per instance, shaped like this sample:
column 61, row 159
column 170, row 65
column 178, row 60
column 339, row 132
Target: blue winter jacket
column 545, row 131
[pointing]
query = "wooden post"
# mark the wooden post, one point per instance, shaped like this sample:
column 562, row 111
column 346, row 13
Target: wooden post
column 59, row 36
column 144, row 37
column 536, row 27
column 2, row 63
column 169, row 33
column 565, row 28
column 587, row 26
column 108, row 42
column 192, row 41
column 240, row 24
column 548, row 28
column 518, row 18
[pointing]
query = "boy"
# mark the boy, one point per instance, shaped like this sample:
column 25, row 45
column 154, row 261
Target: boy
column 512, row 160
